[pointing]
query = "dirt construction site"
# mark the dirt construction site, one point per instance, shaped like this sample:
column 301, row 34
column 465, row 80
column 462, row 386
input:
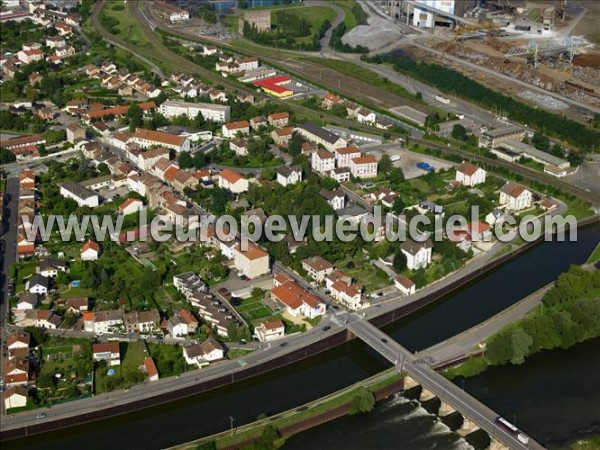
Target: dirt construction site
column 578, row 80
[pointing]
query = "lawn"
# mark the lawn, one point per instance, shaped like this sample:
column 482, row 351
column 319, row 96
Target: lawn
column 127, row 373
column 117, row 15
column 169, row 359
column 372, row 278
column 21, row 272
column 595, row 256
column 253, row 309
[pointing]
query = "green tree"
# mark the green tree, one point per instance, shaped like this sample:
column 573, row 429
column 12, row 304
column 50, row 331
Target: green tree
column 399, row 262
column 135, row 116
column 199, row 120
column 398, row 206
column 521, row 342
column 385, row 164
column 185, row 160
column 6, row 156
column 363, row 402
column 459, row 132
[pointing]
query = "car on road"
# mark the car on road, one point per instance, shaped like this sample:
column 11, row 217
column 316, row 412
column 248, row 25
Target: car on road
column 243, row 342
column 41, row 416
column 384, row 340
column 326, row 328
column 243, row 278
column 283, row 344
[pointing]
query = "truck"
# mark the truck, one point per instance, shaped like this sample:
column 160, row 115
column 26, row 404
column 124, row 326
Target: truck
column 444, row 100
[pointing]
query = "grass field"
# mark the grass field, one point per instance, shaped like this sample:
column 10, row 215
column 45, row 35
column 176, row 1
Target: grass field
column 595, row 256
column 127, row 373
column 253, row 309
column 125, row 23
column 364, row 273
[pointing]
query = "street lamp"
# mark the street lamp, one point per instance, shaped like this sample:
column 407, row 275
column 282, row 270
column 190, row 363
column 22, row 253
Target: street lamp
column 231, row 420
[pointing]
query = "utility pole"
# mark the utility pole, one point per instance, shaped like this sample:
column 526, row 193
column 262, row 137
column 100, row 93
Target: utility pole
column 231, row 420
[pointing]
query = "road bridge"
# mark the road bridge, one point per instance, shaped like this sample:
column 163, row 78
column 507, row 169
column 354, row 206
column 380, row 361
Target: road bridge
column 475, row 414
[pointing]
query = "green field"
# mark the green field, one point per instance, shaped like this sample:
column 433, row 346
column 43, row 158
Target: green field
column 595, row 256
column 253, row 309
column 127, row 373
column 118, row 21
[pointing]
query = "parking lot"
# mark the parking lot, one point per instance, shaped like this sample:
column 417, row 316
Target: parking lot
column 408, row 160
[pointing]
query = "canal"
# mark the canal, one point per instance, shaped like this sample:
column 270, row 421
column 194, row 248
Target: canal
column 307, row 380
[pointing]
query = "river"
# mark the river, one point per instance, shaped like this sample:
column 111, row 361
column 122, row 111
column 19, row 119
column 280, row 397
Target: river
column 307, row 380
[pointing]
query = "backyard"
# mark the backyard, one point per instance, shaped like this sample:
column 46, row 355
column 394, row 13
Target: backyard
column 126, row 374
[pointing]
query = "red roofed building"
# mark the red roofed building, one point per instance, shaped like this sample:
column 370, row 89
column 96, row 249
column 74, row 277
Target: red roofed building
column 270, row 331
column 231, row 129
column 275, row 86
column 130, row 206
column 252, row 261
column 470, row 175
column 298, row 301
column 279, row 119
column 232, row 181
column 150, row 138
column 107, row 351
column 90, row 251
column 151, row 369
column 364, row 167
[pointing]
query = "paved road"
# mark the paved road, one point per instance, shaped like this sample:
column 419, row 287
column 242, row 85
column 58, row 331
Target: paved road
column 444, row 389
column 9, row 252
column 466, row 343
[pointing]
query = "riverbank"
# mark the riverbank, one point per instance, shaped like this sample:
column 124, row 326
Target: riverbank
column 294, row 421
column 592, row 443
column 568, row 315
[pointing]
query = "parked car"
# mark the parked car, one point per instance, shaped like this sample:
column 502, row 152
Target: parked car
column 41, row 416
column 326, row 328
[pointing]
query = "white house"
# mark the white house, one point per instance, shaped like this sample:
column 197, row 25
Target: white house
column 38, row 284
column 231, row 129
column 209, row 111
column 232, row 181
column 364, row 167
column 15, row 397
column 107, row 351
column 239, row 146
column 201, row 354
column 365, row 116
column 287, row 175
column 130, row 206
column 515, row 197
column 297, row 300
column 148, row 159
column 27, row 301
column 270, row 331
column 337, row 198
column 317, row 267
column 82, row 195
column 470, row 175
column 330, row 141
column 418, row 254
column 348, row 294
column 322, row 161
column 90, row 251
column 405, row 285
column 252, row 262
column 344, row 155
column 152, row 138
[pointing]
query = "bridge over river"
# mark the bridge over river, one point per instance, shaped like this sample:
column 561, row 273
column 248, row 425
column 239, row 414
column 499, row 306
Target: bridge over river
column 475, row 414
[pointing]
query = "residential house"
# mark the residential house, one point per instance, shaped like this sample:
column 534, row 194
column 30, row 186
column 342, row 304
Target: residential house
column 82, row 195
column 206, row 352
column 405, row 285
column 150, row 369
column 279, row 119
column 348, row 294
column 90, row 251
column 239, row 146
column 270, row 331
column 364, row 167
column 41, row 318
column 345, row 155
column 182, row 323
column 147, row 159
column 365, row 116
column 107, row 351
column 282, row 136
column 50, row 267
column 288, row 175
column 479, row 231
column 321, row 136
column 188, row 283
column 232, row 181
column 258, row 122
column 252, row 261
column 27, row 179
column 337, row 198
column 130, row 206
column 231, row 129
column 151, row 138
column 15, row 397
column 340, row 174
column 317, row 267
column 38, row 284
column 27, row 301
column 144, row 322
column 335, row 276
column 75, row 133
column 297, row 300
column 322, row 161
column 515, row 197
column 77, row 305
column 418, row 254
column 470, row 175
column 101, row 322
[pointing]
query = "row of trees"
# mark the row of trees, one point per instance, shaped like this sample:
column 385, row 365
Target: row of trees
column 284, row 34
column 453, row 82
column 570, row 314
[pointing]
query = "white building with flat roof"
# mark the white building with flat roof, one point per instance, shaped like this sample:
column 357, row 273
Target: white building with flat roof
column 210, row 111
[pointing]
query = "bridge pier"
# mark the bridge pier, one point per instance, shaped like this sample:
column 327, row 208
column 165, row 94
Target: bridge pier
column 409, row 383
column 467, row 427
column 495, row 445
column 426, row 395
column 445, row 410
